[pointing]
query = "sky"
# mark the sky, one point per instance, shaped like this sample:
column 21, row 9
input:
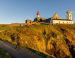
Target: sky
column 17, row 11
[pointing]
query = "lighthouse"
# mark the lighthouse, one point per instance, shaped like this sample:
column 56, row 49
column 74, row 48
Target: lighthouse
column 38, row 14
column 69, row 15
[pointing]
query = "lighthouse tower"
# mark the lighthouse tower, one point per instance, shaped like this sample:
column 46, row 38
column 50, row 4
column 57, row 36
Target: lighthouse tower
column 38, row 14
column 69, row 15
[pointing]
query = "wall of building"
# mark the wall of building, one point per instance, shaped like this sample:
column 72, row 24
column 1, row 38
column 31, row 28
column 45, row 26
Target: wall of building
column 62, row 22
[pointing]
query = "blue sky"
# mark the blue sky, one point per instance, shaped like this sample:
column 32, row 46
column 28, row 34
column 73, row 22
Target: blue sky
column 17, row 11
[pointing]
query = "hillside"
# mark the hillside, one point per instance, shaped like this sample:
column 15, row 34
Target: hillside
column 56, row 40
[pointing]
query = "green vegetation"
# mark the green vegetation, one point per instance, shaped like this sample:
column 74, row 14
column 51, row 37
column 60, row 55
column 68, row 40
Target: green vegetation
column 57, row 40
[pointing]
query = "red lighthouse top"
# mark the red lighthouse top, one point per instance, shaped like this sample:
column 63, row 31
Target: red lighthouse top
column 38, row 13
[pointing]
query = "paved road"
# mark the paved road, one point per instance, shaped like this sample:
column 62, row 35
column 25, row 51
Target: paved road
column 17, row 53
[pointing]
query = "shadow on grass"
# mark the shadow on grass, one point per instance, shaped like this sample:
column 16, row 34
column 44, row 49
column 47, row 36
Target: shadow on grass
column 42, row 55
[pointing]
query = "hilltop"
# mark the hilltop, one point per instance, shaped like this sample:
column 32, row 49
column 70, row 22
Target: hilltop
column 57, row 40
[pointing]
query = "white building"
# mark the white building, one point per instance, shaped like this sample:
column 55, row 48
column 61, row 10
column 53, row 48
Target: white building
column 56, row 19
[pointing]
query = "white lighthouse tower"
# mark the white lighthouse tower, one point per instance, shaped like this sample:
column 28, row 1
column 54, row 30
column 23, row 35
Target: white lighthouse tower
column 38, row 14
column 69, row 15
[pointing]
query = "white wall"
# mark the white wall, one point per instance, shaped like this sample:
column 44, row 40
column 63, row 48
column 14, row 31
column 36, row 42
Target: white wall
column 62, row 22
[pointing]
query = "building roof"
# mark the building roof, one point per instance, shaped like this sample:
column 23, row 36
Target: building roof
column 69, row 11
column 56, row 16
column 63, row 19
